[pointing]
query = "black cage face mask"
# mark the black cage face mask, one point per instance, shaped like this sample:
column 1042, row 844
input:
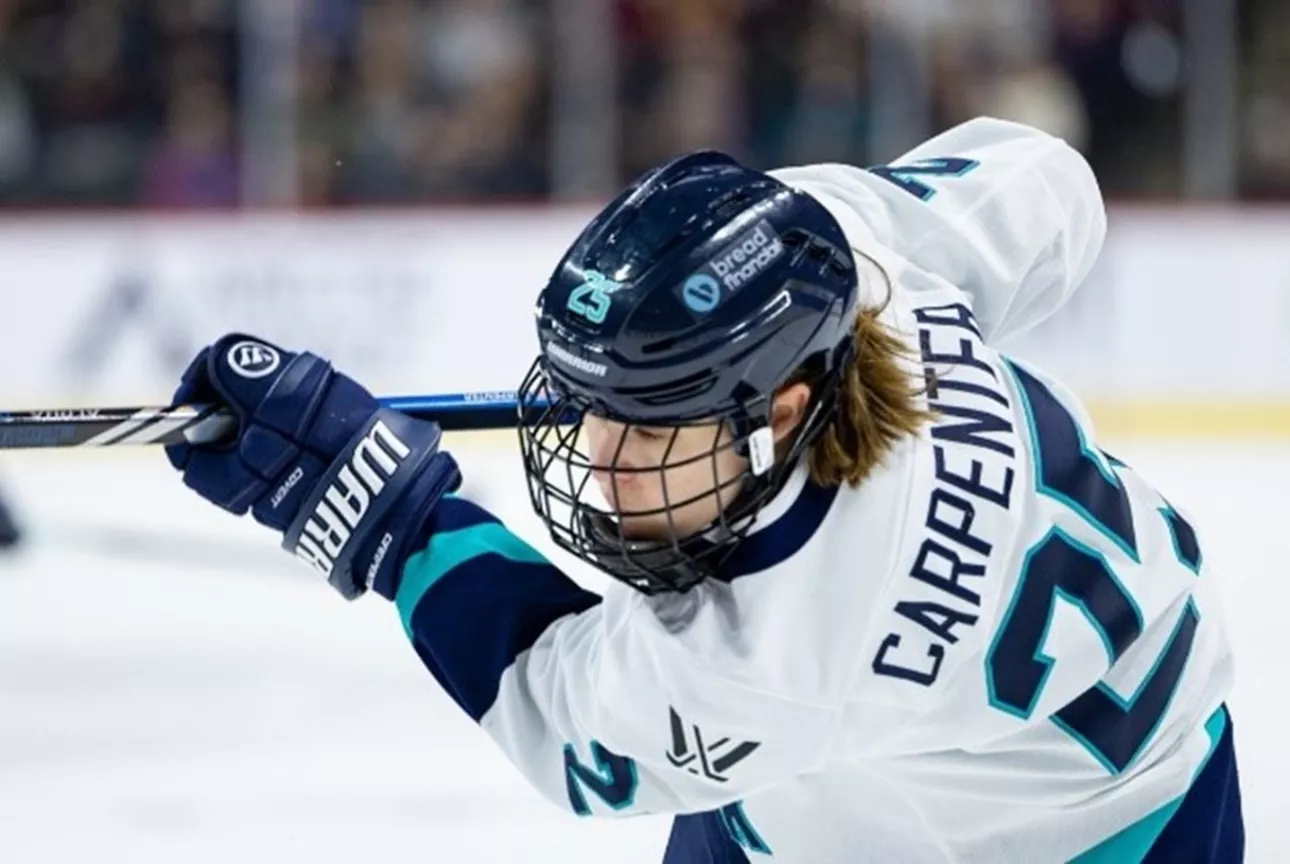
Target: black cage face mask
column 620, row 511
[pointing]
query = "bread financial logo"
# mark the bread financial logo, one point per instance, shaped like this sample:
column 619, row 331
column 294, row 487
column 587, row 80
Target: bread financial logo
column 693, row 753
column 701, row 293
column 253, row 359
column 726, row 272
column 747, row 256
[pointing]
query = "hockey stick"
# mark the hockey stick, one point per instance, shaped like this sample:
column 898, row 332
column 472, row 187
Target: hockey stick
column 198, row 424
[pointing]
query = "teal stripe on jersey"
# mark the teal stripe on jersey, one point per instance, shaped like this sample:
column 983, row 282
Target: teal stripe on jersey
column 449, row 550
column 1132, row 844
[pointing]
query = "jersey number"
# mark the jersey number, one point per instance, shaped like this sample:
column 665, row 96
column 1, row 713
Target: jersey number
column 1112, row 727
column 907, row 177
column 613, row 780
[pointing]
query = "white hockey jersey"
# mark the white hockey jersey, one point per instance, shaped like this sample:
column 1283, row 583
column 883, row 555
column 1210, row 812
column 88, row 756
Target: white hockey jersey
column 1004, row 646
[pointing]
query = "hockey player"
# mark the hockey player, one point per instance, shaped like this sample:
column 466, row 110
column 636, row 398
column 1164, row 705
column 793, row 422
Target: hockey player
column 878, row 596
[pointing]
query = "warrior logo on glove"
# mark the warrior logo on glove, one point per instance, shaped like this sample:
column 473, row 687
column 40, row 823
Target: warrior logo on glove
column 345, row 502
column 253, row 359
column 315, row 457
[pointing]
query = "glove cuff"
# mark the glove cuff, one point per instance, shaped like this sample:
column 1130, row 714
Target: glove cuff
column 362, row 484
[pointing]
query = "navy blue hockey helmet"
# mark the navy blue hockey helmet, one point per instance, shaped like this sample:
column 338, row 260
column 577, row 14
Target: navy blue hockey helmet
column 690, row 299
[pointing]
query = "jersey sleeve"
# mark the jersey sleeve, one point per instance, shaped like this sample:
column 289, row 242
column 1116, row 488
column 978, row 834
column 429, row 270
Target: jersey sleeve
column 1010, row 215
column 606, row 707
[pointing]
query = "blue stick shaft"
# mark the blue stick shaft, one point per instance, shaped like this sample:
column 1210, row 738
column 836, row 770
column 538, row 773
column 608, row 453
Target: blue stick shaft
column 111, row 427
column 495, row 400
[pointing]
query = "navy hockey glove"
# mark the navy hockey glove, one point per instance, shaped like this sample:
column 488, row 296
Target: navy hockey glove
column 316, row 457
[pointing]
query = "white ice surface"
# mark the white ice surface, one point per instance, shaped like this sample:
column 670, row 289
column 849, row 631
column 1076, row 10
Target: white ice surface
column 175, row 690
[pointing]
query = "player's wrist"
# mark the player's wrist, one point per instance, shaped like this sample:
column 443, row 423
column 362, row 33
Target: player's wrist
column 354, row 524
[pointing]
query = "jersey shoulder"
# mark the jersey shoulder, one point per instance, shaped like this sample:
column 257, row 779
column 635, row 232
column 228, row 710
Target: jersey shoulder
column 1009, row 218
column 980, row 155
column 788, row 613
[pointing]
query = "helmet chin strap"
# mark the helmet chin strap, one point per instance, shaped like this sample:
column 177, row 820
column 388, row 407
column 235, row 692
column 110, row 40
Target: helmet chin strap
column 755, row 441
column 686, row 561
column 683, row 562
column 761, row 450
column 677, row 562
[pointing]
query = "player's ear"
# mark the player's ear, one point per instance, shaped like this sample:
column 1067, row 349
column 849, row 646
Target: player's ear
column 789, row 410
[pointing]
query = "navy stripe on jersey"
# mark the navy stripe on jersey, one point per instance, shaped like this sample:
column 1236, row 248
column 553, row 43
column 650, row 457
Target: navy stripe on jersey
column 475, row 598
column 1208, row 826
column 504, row 594
column 776, row 543
column 453, row 514
column 708, row 838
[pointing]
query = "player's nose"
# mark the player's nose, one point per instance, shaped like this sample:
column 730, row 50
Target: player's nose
column 611, row 461
column 606, row 446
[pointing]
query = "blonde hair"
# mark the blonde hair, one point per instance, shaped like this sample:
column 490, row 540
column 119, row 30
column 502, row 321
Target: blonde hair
column 878, row 403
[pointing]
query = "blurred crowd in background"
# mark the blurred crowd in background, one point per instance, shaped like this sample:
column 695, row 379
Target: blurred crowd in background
column 144, row 102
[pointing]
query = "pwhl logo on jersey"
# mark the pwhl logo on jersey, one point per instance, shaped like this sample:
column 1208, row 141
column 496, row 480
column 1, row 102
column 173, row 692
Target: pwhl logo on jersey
column 253, row 359
column 693, row 752
column 750, row 253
